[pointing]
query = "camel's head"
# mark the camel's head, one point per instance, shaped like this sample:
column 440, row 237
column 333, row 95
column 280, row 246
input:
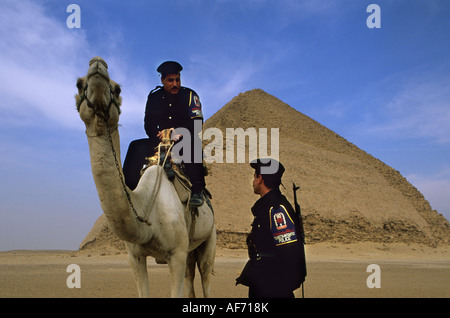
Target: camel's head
column 98, row 99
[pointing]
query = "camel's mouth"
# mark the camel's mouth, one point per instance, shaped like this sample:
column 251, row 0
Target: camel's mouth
column 97, row 66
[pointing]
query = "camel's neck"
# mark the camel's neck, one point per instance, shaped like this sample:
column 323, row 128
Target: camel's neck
column 111, row 192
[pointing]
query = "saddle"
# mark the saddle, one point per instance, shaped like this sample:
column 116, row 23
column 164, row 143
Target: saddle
column 174, row 171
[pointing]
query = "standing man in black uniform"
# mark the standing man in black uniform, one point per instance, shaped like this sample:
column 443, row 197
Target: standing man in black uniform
column 277, row 261
column 174, row 106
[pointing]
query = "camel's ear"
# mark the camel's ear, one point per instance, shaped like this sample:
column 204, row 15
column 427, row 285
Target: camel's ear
column 117, row 90
column 80, row 85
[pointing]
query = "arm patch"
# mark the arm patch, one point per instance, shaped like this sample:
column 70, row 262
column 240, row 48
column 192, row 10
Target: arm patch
column 282, row 226
column 195, row 107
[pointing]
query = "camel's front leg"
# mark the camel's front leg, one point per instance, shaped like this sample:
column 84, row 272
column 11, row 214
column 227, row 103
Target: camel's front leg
column 139, row 265
column 177, row 267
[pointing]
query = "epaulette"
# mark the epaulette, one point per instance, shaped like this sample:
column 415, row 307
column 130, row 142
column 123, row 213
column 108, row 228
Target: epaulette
column 156, row 88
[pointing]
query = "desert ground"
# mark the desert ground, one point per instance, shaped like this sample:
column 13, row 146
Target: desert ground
column 334, row 271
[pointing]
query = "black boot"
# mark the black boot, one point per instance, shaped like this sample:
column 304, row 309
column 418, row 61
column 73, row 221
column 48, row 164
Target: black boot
column 196, row 196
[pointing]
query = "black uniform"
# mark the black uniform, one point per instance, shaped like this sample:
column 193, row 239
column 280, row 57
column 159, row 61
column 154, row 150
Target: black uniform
column 165, row 110
column 277, row 264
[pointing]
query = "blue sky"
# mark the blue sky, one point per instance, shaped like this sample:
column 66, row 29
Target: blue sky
column 386, row 90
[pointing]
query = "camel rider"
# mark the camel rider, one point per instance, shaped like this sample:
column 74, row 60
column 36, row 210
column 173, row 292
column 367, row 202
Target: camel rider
column 174, row 106
column 277, row 264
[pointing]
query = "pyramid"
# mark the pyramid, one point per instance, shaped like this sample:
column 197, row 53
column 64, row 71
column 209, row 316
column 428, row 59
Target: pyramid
column 346, row 194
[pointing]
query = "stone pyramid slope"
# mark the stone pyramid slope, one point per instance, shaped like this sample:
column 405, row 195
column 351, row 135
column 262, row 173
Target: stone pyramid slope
column 346, row 194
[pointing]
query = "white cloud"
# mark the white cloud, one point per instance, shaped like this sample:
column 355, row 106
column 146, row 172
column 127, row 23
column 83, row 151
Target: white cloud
column 40, row 61
column 218, row 80
column 422, row 109
column 233, row 63
column 411, row 105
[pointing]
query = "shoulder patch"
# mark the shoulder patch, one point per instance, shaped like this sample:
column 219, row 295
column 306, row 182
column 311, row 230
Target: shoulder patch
column 195, row 107
column 197, row 101
column 282, row 226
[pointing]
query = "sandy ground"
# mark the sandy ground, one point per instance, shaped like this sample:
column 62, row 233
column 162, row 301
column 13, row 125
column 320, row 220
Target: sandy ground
column 406, row 271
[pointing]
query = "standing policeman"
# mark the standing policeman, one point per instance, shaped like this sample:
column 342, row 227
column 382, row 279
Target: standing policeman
column 174, row 106
column 277, row 261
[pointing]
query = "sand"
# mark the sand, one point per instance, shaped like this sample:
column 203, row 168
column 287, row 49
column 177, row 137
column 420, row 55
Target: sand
column 334, row 271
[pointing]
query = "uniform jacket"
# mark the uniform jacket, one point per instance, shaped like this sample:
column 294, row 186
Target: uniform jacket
column 164, row 110
column 276, row 258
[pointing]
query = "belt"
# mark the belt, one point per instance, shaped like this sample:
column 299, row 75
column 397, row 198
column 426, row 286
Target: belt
column 260, row 256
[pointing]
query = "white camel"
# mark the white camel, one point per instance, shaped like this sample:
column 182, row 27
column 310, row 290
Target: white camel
column 151, row 219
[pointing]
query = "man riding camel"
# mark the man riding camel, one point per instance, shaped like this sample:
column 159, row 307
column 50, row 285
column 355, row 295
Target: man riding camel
column 173, row 106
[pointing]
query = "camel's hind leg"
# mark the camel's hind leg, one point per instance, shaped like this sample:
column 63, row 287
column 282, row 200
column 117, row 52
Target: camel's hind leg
column 206, row 254
column 190, row 274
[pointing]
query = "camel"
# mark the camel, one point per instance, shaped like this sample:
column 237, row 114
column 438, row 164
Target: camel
column 151, row 219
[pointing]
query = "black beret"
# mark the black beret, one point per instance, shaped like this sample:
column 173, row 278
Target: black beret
column 270, row 167
column 169, row 67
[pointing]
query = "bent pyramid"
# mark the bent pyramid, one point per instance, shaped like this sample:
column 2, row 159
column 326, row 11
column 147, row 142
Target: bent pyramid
column 346, row 194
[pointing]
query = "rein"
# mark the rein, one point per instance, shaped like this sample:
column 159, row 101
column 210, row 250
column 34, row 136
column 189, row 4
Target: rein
column 105, row 116
column 122, row 179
